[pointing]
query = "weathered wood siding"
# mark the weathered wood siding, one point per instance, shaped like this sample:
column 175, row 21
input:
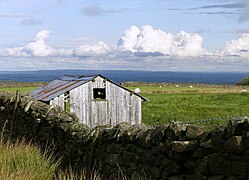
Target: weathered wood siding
column 123, row 105
column 59, row 101
column 119, row 106
column 80, row 99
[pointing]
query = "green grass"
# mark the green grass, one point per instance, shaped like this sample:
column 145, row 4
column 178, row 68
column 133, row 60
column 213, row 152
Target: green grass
column 171, row 103
column 186, row 107
column 21, row 89
column 202, row 102
column 23, row 161
column 166, row 104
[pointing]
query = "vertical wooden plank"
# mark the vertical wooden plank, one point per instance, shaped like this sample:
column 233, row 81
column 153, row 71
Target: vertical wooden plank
column 79, row 97
column 108, row 91
column 124, row 119
column 133, row 113
column 58, row 101
column 115, row 102
column 131, row 105
column 61, row 101
column 89, row 103
column 83, row 102
column 74, row 103
column 54, row 102
column 138, row 111
column 127, row 106
column 111, row 103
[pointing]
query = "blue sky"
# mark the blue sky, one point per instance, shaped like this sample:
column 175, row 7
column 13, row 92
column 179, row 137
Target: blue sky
column 165, row 35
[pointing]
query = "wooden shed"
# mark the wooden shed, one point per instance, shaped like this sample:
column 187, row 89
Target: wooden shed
column 95, row 99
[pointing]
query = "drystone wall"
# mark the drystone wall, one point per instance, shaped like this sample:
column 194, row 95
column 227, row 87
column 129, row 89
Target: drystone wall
column 177, row 151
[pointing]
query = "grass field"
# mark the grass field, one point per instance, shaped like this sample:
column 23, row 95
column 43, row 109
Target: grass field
column 171, row 102
column 201, row 102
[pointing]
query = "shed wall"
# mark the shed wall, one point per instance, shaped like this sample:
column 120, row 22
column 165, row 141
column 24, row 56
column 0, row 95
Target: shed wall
column 119, row 106
column 60, row 101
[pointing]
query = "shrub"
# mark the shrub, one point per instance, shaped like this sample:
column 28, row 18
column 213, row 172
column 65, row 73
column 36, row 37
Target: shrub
column 244, row 82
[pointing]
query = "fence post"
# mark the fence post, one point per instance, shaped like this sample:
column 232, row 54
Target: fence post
column 12, row 123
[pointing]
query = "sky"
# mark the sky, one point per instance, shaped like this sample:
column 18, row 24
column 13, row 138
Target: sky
column 154, row 35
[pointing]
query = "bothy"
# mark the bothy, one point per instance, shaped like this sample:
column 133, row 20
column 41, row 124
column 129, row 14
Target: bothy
column 95, row 99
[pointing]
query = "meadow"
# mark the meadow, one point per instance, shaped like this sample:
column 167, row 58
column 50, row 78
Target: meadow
column 204, row 104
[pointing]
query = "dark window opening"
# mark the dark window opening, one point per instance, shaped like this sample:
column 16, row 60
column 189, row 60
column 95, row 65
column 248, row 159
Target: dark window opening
column 99, row 93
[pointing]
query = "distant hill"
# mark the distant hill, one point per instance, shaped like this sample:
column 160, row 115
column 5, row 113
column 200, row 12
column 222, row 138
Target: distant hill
column 127, row 75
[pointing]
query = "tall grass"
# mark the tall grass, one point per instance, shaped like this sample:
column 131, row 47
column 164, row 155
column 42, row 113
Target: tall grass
column 24, row 161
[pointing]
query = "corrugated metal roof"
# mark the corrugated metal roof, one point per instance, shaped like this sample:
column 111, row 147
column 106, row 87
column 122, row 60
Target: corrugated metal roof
column 59, row 86
column 64, row 84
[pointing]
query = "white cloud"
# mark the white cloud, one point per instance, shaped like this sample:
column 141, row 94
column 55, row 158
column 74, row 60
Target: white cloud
column 39, row 48
column 88, row 50
column 129, row 39
column 149, row 40
column 237, row 47
column 142, row 48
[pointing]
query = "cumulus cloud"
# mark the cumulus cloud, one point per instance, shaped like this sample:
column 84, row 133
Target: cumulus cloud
column 138, row 48
column 129, row 39
column 149, row 40
column 88, row 50
column 39, row 48
column 36, row 48
column 237, row 47
column 143, row 48
column 144, row 41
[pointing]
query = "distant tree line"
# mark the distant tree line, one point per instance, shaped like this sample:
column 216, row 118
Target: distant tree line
column 244, row 82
